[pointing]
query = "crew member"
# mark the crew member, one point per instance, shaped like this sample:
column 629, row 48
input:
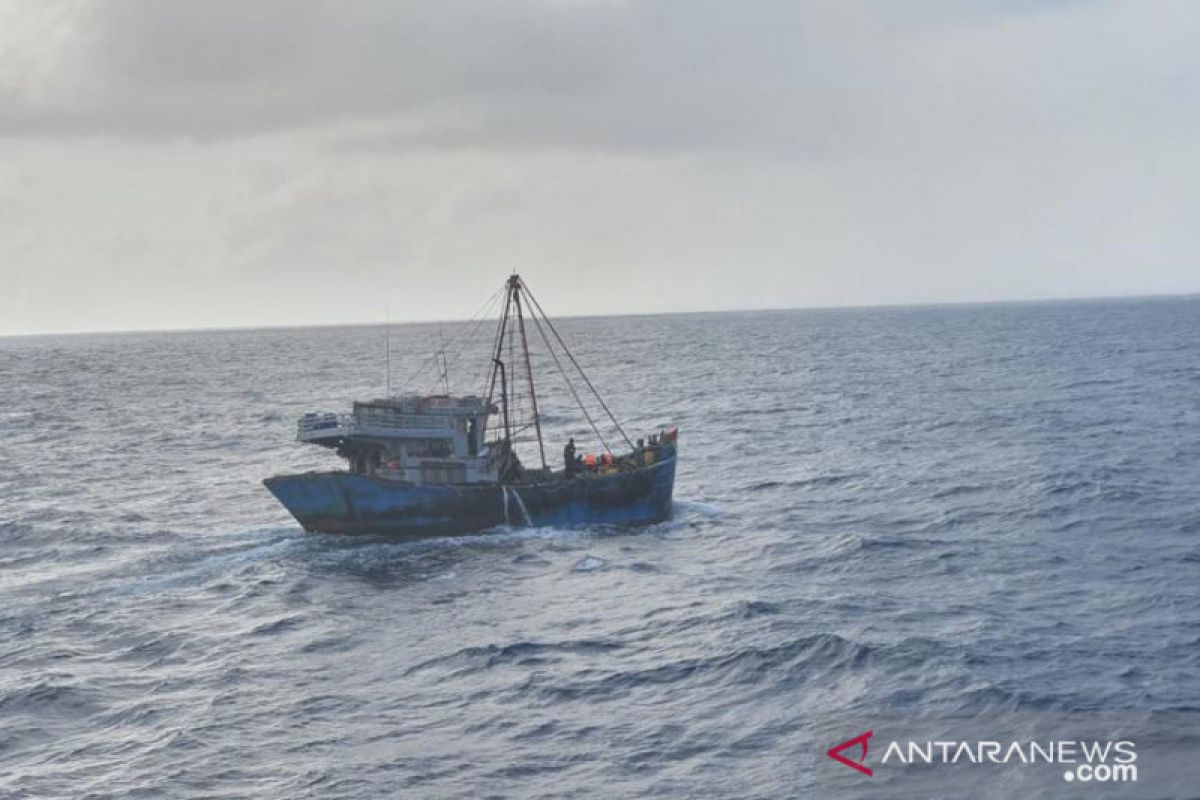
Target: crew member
column 569, row 457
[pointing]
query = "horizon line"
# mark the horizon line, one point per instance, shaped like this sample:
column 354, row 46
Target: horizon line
column 678, row 312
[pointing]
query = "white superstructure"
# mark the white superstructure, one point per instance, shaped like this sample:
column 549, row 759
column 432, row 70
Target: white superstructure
column 422, row 439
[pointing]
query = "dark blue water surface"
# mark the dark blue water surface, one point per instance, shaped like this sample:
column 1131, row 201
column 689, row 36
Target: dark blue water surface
column 966, row 511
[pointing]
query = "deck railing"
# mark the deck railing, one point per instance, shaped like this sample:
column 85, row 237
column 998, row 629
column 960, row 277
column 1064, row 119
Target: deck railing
column 402, row 421
column 321, row 422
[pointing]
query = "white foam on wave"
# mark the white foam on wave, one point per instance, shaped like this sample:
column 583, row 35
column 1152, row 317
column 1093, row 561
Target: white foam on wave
column 372, row 553
column 208, row 564
column 589, row 564
column 695, row 508
column 248, row 547
column 688, row 513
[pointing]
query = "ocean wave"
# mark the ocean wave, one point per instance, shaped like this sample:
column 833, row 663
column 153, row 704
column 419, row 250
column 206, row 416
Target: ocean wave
column 877, row 512
column 472, row 659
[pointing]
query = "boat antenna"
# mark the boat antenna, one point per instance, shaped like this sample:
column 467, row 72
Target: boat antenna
column 445, row 376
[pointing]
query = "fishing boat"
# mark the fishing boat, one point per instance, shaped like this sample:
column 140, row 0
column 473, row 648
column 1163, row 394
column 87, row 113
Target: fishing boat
column 422, row 465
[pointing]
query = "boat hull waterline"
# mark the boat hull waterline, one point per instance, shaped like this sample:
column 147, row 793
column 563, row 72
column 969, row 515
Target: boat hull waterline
column 344, row 502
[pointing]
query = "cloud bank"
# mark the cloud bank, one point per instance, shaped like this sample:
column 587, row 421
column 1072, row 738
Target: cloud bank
column 182, row 164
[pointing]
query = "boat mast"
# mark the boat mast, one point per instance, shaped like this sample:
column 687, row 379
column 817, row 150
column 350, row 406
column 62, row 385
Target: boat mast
column 518, row 296
column 515, row 287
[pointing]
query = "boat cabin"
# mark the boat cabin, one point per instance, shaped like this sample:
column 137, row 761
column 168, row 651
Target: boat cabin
column 421, row 439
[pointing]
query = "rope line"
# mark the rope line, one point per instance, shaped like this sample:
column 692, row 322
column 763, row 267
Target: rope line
column 566, row 379
column 483, row 316
column 582, row 374
column 480, row 314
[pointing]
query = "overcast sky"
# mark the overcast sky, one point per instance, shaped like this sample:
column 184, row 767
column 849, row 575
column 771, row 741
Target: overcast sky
column 237, row 162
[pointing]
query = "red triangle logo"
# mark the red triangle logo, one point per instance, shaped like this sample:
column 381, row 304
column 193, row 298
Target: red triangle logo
column 861, row 740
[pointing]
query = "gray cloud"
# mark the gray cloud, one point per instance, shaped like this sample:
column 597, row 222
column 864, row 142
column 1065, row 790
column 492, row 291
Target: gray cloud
column 182, row 160
column 790, row 78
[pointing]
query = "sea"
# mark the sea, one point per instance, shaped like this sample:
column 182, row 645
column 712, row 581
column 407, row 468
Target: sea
column 966, row 523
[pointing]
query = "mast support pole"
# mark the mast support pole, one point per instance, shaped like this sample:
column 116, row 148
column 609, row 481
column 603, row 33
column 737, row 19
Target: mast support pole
column 538, row 307
column 504, row 397
column 498, row 350
column 516, row 286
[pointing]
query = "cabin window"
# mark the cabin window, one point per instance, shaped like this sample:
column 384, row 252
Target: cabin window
column 443, row 472
column 429, row 448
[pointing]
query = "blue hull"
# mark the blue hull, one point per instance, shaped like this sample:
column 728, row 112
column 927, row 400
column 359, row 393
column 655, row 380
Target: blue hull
column 342, row 502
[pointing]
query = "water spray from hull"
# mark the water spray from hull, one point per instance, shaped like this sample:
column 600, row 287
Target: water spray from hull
column 520, row 505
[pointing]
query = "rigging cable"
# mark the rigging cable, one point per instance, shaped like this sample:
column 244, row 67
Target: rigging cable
column 481, row 313
column 567, row 379
column 582, row 374
column 496, row 351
